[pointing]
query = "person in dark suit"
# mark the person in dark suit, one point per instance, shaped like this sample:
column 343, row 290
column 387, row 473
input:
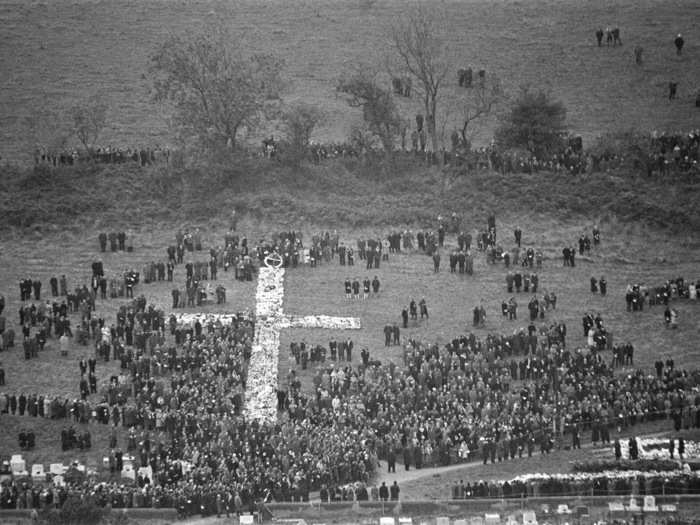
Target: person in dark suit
column 384, row 492
column 391, row 460
column 672, row 90
column 394, row 491
column 22, row 404
column 679, row 42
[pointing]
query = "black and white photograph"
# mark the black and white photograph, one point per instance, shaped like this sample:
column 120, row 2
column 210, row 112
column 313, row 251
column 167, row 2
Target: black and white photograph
column 351, row 262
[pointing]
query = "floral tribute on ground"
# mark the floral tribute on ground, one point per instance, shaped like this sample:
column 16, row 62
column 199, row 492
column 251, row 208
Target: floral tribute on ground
column 270, row 319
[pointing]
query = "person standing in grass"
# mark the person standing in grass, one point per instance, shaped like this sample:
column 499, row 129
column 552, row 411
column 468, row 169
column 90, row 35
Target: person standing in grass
column 672, row 90
column 679, row 42
column 375, row 285
column 594, row 285
column 674, row 318
column 599, row 36
column 423, row 309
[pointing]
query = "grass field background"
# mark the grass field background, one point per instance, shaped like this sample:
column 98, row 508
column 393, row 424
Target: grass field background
column 54, row 54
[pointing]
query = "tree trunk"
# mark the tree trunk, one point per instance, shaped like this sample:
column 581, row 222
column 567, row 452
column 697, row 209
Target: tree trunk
column 433, row 123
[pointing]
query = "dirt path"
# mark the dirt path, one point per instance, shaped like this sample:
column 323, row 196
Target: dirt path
column 517, row 466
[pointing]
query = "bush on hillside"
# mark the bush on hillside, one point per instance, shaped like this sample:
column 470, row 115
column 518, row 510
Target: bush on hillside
column 299, row 122
column 536, row 123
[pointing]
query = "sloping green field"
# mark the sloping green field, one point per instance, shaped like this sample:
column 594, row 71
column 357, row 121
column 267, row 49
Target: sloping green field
column 54, row 54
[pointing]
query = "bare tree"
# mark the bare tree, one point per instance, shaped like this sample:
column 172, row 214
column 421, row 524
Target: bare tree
column 89, row 120
column 214, row 87
column 478, row 103
column 421, row 54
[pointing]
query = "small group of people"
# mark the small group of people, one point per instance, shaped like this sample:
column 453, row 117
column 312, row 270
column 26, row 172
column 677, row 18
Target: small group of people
column 303, row 353
column 102, row 155
column 623, row 355
column 519, row 281
column 479, row 316
column 26, row 439
column 392, row 334
column 671, row 317
column 594, row 330
column 71, row 438
column 674, row 445
column 635, row 297
column 612, row 36
column 157, row 271
column 117, row 242
column 599, row 285
column 353, row 288
column 584, row 241
column 569, row 256
column 360, row 491
column 412, row 311
column 462, row 260
column 536, row 307
column 26, row 286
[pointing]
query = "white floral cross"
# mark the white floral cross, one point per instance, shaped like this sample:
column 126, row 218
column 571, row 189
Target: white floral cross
column 270, row 320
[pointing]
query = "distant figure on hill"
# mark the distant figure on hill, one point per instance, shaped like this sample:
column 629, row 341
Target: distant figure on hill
column 599, row 36
column 638, row 55
column 616, row 36
column 672, row 90
column 608, row 36
column 679, row 44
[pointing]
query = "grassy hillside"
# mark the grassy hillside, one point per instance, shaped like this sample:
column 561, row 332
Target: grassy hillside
column 54, row 54
column 341, row 194
column 148, row 205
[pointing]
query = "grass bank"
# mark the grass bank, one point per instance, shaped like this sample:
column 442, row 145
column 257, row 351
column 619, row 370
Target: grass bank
column 346, row 194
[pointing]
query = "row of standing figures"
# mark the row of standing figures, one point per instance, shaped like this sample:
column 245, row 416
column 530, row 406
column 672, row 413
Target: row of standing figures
column 612, row 37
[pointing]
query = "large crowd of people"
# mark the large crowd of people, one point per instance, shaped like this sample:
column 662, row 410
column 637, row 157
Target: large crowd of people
column 144, row 156
column 179, row 396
